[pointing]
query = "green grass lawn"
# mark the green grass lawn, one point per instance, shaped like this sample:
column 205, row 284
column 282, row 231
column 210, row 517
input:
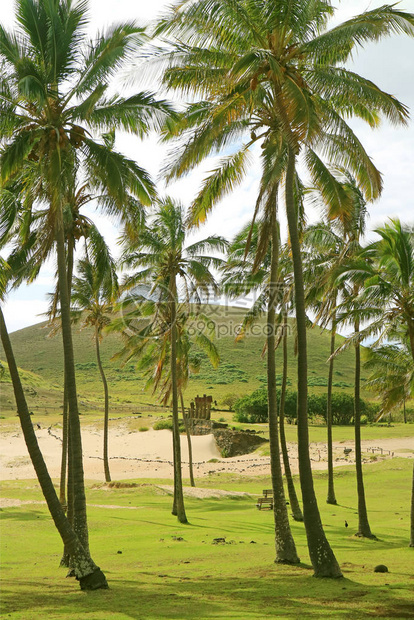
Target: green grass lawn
column 157, row 575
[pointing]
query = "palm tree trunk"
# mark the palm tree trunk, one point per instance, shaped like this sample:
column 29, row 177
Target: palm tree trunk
column 106, row 416
column 285, row 545
column 89, row 575
column 65, row 419
column 321, row 555
column 64, row 458
column 331, row 499
column 293, row 498
column 65, row 561
column 178, row 486
column 79, row 499
column 363, row 525
column 412, row 514
column 190, row 447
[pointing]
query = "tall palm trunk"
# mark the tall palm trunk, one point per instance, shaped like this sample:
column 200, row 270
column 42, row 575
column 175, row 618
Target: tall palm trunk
column 106, row 415
column 412, row 513
column 190, row 447
column 285, row 545
column 89, row 575
column 64, row 457
column 293, row 498
column 178, row 483
column 321, row 555
column 79, row 499
column 331, row 499
column 363, row 525
column 65, row 418
column 65, row 561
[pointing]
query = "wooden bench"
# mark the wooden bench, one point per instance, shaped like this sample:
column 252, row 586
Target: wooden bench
column 265, row 502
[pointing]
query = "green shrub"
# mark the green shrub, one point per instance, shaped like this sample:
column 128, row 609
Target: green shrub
column 252, row 408
column 163, row 425
column 229, row 400
column 166, row 424
column 142, row 429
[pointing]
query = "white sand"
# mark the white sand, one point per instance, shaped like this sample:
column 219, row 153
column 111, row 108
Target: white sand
column 149, row 454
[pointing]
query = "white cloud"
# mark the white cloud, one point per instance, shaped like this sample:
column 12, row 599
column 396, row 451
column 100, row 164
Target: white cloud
column 20, row 313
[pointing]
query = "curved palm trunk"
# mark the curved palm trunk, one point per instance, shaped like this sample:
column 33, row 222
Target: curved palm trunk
column 89, row 575
column 363, row 525
column 293, row 498
column 321, row 555
column 331, row 499
column 285, row 545
column 190, row 447
column 178, row 483
column 79, row 499
column 106, row 416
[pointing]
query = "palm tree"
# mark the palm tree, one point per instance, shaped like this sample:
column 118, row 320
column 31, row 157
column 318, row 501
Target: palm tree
column 412, row 514
column 383, row 279
column 153, row 351
column 324, row 247
column 273, row 69
column 53, row 99
column 89, row 575
column 387, row 272
column 391, row 376
column 242, row 274
column 172, row 269
column 94, row 292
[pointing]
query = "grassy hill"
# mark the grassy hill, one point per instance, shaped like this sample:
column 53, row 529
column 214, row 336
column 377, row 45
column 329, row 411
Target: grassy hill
column 242, row 368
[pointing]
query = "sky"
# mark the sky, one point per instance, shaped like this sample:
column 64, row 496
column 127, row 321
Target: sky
column 389, row 64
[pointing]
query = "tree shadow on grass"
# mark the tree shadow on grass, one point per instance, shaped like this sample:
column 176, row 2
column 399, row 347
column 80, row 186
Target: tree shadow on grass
column 26, row 515
column 274, row 592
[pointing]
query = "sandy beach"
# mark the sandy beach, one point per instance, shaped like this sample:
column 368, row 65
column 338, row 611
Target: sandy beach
column 149, row 454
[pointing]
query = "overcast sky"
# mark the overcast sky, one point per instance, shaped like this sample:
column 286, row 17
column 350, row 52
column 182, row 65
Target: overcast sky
column 389, row 64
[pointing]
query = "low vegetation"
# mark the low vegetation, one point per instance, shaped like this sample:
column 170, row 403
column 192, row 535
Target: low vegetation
column 253, row 408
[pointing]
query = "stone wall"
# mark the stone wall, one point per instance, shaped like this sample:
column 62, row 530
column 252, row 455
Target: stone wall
column 230, row 443
column 236, row 443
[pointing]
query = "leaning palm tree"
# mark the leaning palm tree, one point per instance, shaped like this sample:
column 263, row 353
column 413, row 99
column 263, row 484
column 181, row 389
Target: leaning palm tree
column 161, row 259
column 94, row 291
column 89, row 575
column 274, row 70
column 53, row 99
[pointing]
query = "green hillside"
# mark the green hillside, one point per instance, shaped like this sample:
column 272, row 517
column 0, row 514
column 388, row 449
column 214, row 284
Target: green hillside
column 242, row 368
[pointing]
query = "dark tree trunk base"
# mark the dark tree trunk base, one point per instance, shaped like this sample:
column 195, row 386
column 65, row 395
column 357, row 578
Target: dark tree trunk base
column 298, row 518
column 369, row 536
column 65, row 561
column 94, row 581
column 328, row 576
column 288, row 562
column 333, row 502
column 71, row 573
